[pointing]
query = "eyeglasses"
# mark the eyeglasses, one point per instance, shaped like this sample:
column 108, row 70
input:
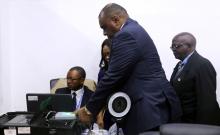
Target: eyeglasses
column 176, row 46
column 72, row 79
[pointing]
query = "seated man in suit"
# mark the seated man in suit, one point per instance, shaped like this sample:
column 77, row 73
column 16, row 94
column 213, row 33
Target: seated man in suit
column 81, row 93
column 75, row 80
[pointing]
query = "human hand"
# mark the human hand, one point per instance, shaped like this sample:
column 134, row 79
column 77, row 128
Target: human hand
column 100, row 119
column 84, row 116
column 100, row 122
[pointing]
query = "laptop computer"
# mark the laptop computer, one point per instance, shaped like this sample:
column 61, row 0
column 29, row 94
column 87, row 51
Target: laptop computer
column 44, row 102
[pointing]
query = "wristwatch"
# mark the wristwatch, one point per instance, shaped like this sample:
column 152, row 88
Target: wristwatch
column 87, row 111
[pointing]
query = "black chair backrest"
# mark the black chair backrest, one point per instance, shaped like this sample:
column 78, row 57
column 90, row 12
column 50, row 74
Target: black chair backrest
column 189, row 129
column 150, row 133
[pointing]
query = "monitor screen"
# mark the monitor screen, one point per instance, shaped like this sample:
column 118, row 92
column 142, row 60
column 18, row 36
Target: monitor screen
column 43, row 102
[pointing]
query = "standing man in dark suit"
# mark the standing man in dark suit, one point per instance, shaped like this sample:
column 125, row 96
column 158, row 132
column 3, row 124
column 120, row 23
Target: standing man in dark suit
column 134, row 68
column 75, row 80
column 194, row 79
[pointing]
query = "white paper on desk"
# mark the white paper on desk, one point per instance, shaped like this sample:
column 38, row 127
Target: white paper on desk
column 10, row 132
column 24, row 130
column 113, row 130
column 99, row 132
column 95, row 131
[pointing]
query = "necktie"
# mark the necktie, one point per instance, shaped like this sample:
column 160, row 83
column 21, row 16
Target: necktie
column 74, row 101
column 180, row 68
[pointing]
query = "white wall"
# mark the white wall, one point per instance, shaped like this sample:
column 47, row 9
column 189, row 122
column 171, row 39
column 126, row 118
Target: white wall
column 5, row 59
column 42, row 39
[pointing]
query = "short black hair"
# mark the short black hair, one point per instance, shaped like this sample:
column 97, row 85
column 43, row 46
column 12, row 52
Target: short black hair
column 80, row 70
column 113, row 8
column 192, row 39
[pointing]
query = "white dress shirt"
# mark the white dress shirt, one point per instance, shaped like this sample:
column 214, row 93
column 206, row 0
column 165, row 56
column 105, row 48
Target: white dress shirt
column 79, row 97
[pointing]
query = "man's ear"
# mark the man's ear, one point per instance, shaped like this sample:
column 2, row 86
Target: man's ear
column 82, row 80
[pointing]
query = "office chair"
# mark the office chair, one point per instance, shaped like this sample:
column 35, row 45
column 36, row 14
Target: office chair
column 185, row 129
column 189, row 129
column 61, row 82
column 150, row 133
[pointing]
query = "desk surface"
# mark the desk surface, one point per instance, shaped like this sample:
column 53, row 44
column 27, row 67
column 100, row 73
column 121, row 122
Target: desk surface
column 39, row 126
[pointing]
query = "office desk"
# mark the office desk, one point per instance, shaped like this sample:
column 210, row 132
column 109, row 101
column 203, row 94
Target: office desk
column 39, row 126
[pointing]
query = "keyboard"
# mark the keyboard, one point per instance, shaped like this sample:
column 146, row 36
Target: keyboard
column 21, row 120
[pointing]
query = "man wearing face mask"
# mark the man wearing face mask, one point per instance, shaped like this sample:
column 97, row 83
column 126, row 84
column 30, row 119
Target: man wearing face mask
column 194, row 79
column 134, row 68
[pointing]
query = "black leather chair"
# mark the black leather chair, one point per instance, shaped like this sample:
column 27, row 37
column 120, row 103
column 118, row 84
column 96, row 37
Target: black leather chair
column 186, row 129
column 61, row 82
column 150, row 133
column 189, row 129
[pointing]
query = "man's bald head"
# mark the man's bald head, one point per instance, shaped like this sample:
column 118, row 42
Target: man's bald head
column 186, row 38
column 111, row 19
column 183, row 44
column 112, row 9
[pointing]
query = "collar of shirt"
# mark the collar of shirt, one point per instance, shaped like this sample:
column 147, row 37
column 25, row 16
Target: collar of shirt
column 122, row 26
column 186, row 59
column 79, row 96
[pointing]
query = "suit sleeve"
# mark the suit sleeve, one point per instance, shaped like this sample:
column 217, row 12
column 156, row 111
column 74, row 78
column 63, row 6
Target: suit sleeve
column 206, row 91
column 124, row 55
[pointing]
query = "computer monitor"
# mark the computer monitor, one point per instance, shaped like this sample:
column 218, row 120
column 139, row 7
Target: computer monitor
column 43, row 102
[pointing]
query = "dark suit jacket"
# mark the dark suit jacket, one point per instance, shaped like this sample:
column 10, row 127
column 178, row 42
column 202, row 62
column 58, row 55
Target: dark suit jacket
column 196, row 88
column 87, row 94
column 101, row 73
column 135, row 69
